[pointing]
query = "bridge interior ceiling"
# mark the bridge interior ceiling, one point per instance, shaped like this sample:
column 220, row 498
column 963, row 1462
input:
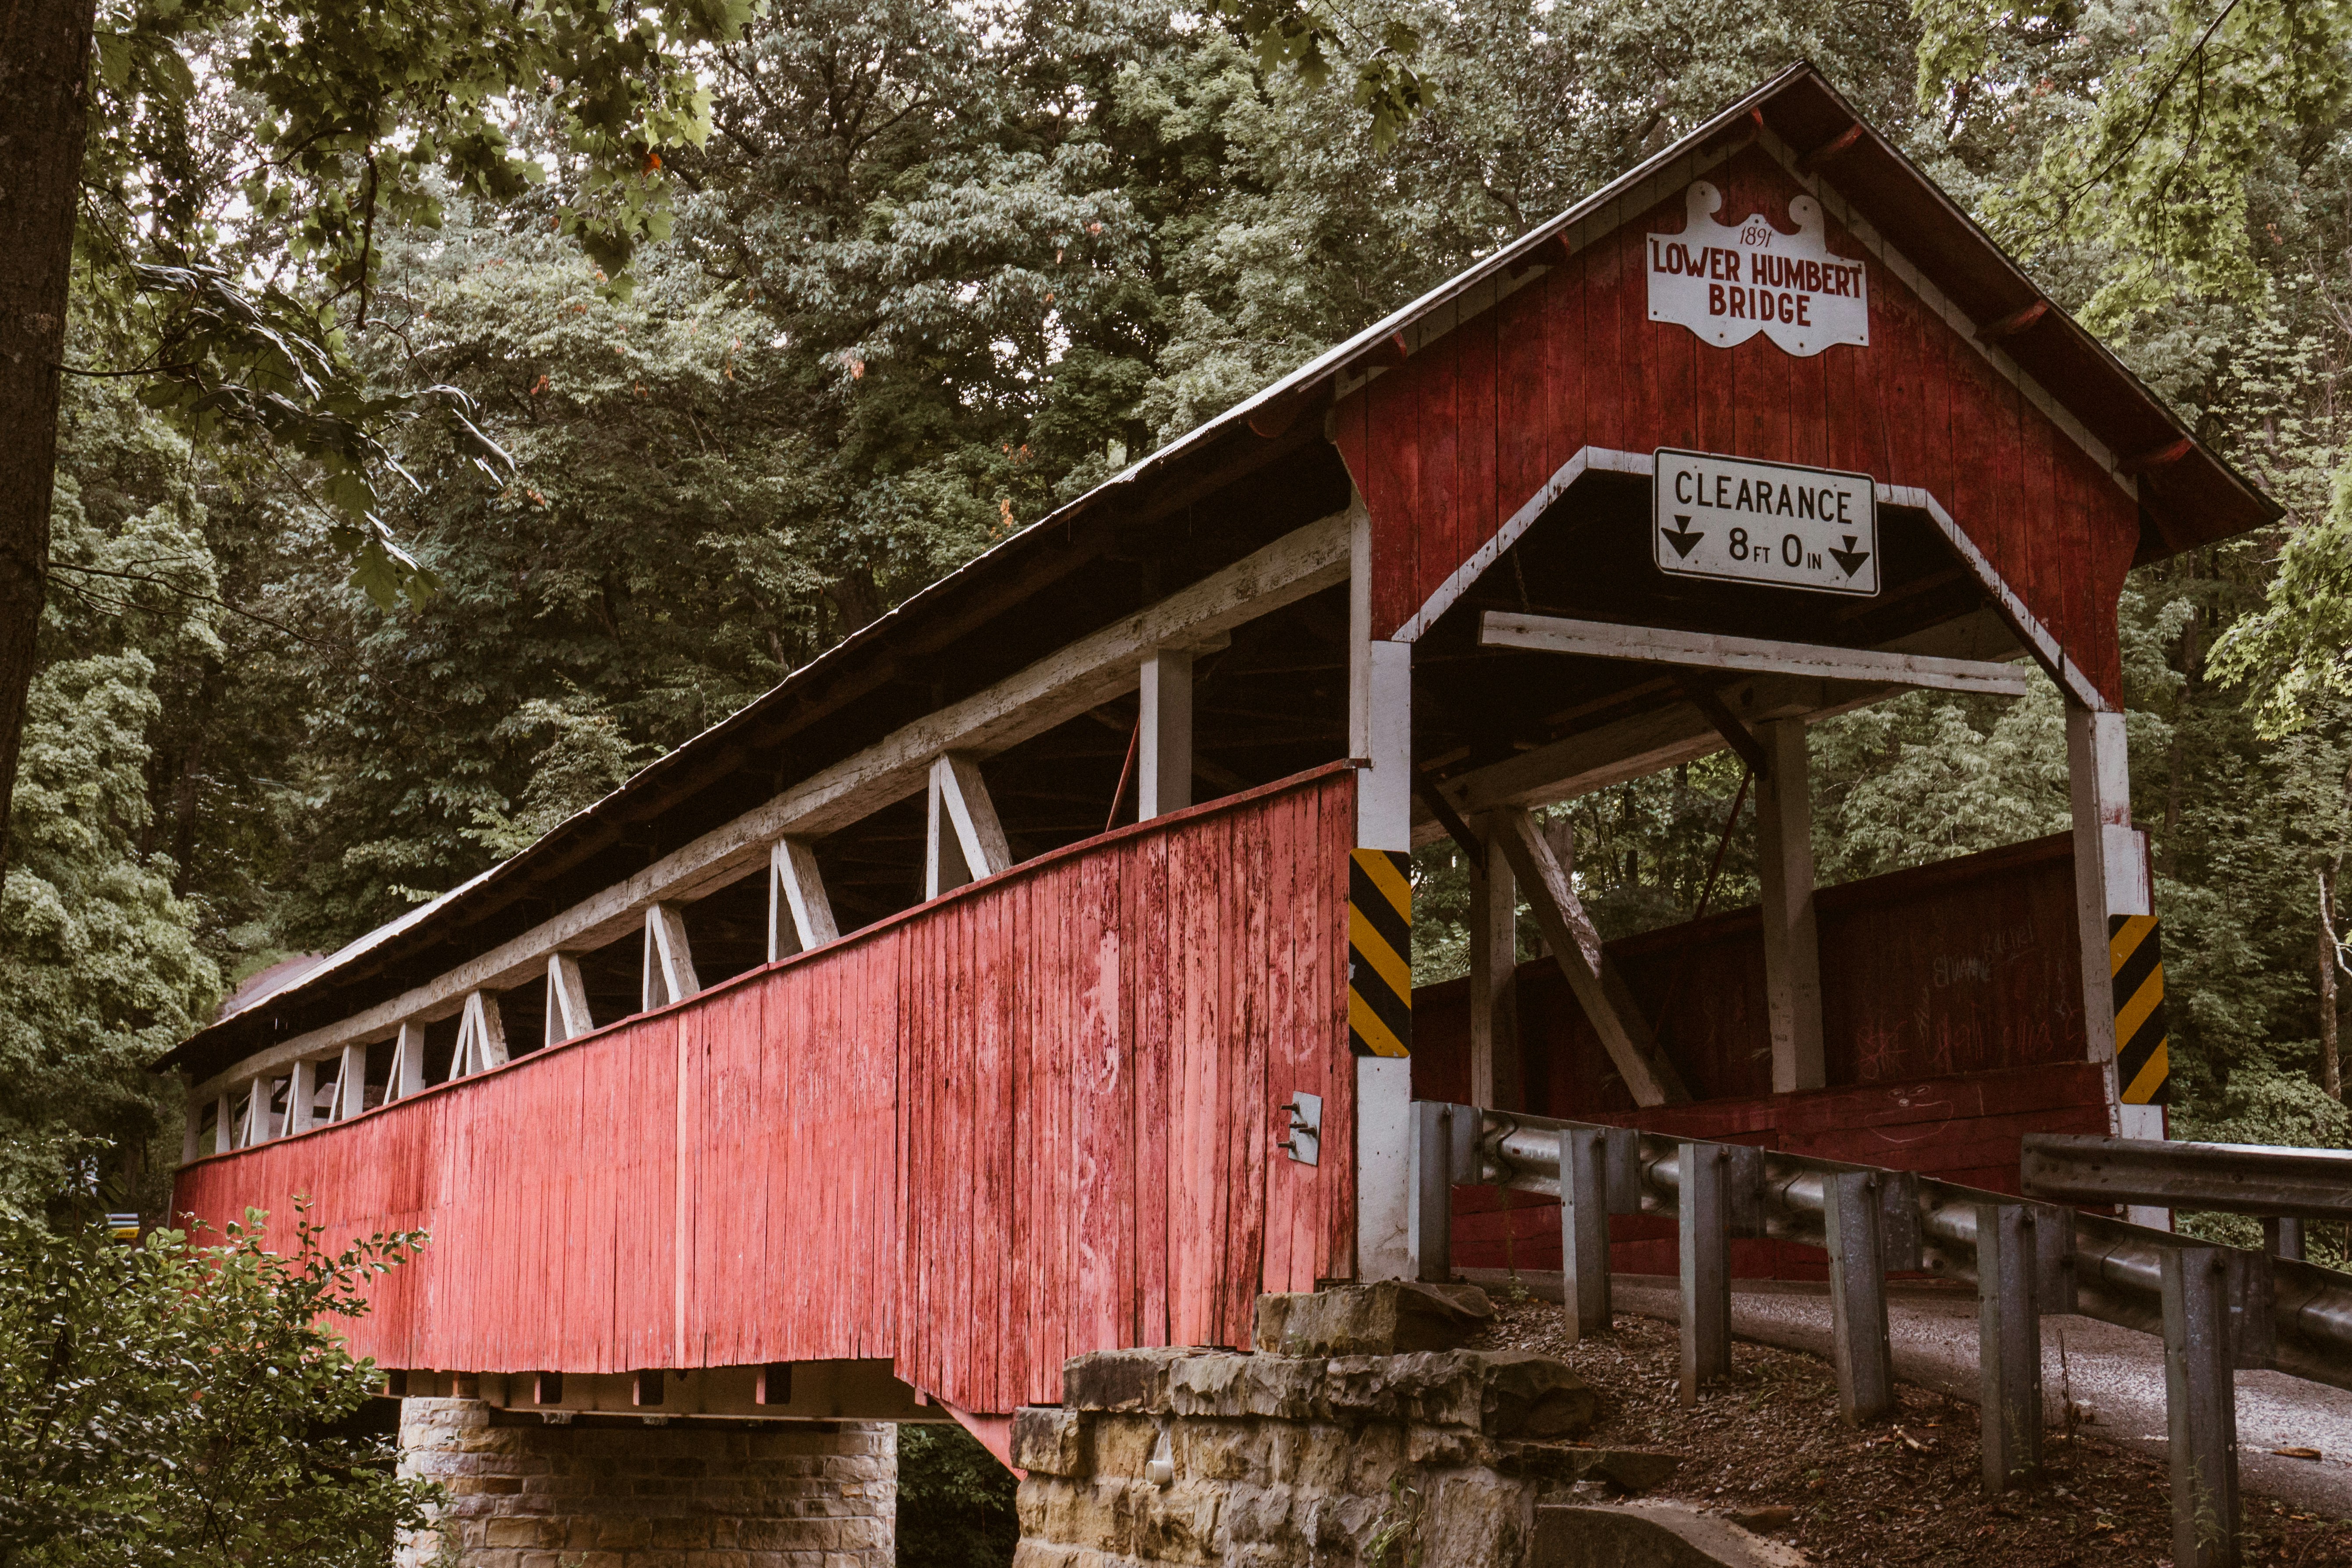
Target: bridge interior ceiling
column 1588, row 558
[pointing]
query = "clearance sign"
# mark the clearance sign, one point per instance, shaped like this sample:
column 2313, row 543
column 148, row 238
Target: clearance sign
column 1727, row 282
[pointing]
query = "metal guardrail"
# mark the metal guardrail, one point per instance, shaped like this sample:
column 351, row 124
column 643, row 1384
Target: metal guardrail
column 2282, row 1187
column 2217, row 1308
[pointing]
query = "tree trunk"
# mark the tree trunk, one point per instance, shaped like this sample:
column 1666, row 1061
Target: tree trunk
column 2331, row 1074
column 44, row 96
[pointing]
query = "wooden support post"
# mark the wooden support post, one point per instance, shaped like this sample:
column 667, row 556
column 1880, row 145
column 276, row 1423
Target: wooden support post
column 1495, row 1078
column 966, row 841
column 256, row 1113
column 800, row 912
column 225, row 1123
column 2110, row 878
column 1443, row 1137
column 1793, row 960
column 2009, row 1343
column 481, row 1036
column 407, row 1075
column 191, row 1131
column 1380, row 737
column 568, row 1018
column 1164, row 759
column 2283, row 1238
column 1584, row 1229
column 1602, row 991
column 2201, row 1409
column 669, row 959
column 1703, row 1231
column 301, row 1092
column 1865, row 1358
column 350, row 1083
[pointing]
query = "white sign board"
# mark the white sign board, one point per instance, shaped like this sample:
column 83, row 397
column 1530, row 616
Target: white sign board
column 1727, row 282
column 1773, row 523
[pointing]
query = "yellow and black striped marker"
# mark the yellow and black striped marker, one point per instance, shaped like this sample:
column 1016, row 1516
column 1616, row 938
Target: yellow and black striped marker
column 2136, row 959
column 1379, row 952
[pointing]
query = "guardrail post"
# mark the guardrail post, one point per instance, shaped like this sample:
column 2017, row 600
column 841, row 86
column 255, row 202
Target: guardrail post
column 2201, row 1409
column 2283, row 1237
column 1431, row 1234
column 1585, row 1228
column 2009, row 1343
column 1704, row 1237
column 1865, row 1361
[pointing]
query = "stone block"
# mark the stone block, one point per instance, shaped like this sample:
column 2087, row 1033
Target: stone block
column 1048, row 1440
column 1132, row 1379
column 1393, row 1317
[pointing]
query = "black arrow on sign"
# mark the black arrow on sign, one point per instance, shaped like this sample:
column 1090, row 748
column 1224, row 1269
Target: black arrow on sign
column 1683, row 541
column 1849, row 558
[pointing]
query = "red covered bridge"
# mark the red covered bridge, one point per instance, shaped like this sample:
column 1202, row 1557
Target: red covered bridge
column 858, row 1039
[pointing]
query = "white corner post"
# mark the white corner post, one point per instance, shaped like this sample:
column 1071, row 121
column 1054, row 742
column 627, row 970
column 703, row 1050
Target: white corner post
column 1380, row 737
column 301, row 1093
column 190, row 1144
column 1792, row 958
column 1496, row 1080
column 481, row 1036
column 568, row 1018
column 2111, row 879
column 669, row 960
column 799, row 915
column 1164, row 758
column 407, row 1075
column 225, row 1123
column 350, row 1085
column 964, row 840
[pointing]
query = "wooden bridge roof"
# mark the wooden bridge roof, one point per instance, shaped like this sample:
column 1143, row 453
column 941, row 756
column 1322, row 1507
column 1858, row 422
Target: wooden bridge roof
column 1204, row 501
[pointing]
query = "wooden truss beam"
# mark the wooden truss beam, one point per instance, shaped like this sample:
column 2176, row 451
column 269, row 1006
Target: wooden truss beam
column 1749, row 656
column 1599, row 988
column 1061, row 686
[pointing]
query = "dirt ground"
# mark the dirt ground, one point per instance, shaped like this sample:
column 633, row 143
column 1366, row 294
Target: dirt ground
column 1767, row 1448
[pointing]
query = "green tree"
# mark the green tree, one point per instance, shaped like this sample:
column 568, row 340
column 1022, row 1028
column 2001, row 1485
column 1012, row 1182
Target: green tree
column 170, row 1403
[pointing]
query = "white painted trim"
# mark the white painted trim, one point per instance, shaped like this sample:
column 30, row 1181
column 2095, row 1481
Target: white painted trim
column 1588, row 459
column 800, row 911
column 223, row 1122
column 1054, row 690
column 1747, row 655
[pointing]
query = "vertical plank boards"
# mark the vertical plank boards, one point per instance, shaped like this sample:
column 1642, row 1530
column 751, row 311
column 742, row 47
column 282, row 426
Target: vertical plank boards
column 1605, row 404
column 1157, row 1102
column 1568, row 427
column 1476, row 455
column 1520, row 418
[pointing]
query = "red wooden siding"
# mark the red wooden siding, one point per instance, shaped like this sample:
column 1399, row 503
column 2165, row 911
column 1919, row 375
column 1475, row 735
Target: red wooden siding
column 1449, row 446
column 1028, row 1119
column 1952, row 1021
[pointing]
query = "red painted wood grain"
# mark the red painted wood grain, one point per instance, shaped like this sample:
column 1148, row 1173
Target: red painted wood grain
column 1440, row 445
column 1030, row 1119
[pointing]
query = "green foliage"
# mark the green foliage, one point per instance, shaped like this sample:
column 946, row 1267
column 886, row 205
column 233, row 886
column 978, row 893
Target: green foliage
column 2184, row 103
column 955, row 1501
column 171, row 1403
column 99, row 967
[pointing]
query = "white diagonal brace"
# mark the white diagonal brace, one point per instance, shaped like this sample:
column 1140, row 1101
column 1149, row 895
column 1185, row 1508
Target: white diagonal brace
column 1604, row 997
column 407, row 1076
column 1060, row 687
column 965, row 840
column 669, row 960
column 800, row 915
column 481, row 1036
column 1749, row 656
column 568, row 1018
column 350, row 1085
